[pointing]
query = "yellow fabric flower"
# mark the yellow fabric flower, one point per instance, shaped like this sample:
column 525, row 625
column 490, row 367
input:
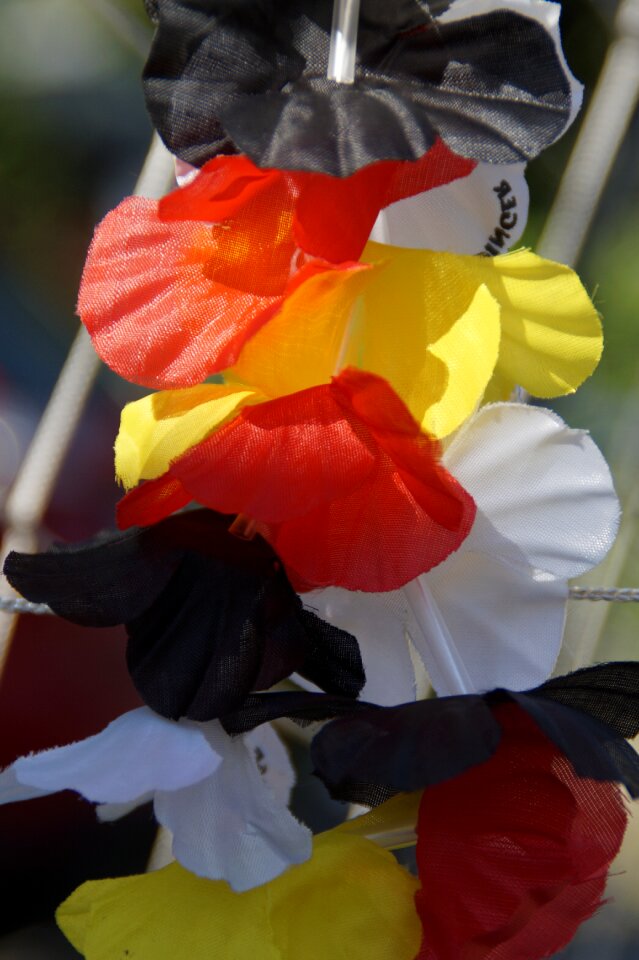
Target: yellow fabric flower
column 437, row 326
column 350, row 899
column 444, row 330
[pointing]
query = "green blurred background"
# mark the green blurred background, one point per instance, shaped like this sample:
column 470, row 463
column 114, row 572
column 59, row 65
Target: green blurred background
column 73, row 134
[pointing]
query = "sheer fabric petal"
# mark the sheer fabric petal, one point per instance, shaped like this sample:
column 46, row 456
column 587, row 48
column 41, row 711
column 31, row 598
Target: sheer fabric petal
column 343, row 467
column 550, row 340
column 210, row 617
column 492, row 614
column 513, row 855
column 369, row 752
column 170, row 912
column 172, row 289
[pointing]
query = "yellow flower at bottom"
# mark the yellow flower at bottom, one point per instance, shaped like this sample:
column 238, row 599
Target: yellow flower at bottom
column 350, row 899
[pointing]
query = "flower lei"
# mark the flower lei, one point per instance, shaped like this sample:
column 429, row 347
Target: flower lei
column 353, row 502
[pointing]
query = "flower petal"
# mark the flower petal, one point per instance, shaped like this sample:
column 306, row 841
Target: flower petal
column 343, row 467
column 513, row 854
column 138, row 753
column 478, row 623
column 230, row 826
column 544, row 492
column 380, row 625
column 485, row 212
column 441, row 353
column 160, row 427
column 172, row 913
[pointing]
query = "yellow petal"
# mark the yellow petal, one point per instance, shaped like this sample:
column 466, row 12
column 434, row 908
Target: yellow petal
column 432, row 329
column 350, row 899
column 300, row 346
column 551, row 332
column 160, row 427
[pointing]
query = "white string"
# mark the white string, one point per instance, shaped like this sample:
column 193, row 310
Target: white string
column 609, row 594
column 341, row 55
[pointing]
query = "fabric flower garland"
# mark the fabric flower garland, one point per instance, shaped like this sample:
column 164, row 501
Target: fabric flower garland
column 488, row 78
column 210, row 617
column 350, row 504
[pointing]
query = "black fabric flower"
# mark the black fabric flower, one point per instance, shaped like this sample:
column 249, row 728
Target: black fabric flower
column 249, row 76
column 370, row 753
column 210, row 617
column 587, row 714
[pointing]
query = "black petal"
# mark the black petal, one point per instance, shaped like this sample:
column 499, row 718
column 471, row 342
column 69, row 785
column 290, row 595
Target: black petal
column 594, row 749
column 367, row 757
column 101, row 582
column 210, row 617
column 609, row 692
column 300, row 706
column 250, row 76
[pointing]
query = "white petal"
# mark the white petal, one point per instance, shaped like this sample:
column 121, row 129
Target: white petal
column 485, row 212
column 273, row 761
column 546, row 13
column 136, row 754
column 544, row 492
column 378, row 621
column 229, row 826
column 479, row 623
column 12, row 790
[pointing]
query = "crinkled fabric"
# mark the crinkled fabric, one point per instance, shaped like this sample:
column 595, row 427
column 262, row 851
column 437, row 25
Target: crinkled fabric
column 172, row 289
column 488, row 78
column 369, row 754
column 513, row 855
column 493, row 613
column 207, row 790
column 330, row 474
column 210, row 617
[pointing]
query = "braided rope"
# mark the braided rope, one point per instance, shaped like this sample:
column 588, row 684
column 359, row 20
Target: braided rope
column 608, row 594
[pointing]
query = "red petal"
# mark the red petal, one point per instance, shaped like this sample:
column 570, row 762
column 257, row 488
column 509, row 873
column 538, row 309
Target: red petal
column 513, row 855
column 156, row 313
column 351, row 491
column 334, row 217
column 223, row 189
column 150, row 502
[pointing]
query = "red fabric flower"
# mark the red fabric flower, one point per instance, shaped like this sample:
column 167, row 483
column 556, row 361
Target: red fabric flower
column 513, row 855
column 171, row 290
column 342, row 482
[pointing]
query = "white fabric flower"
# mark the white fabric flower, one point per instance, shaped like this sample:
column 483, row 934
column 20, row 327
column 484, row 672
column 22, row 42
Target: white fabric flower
column 483, row 213
column 493, row 613
column 226, row 820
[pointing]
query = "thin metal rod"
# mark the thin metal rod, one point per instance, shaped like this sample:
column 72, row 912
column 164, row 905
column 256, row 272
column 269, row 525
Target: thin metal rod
column 602, row 132
column 341, row 55
column 34, row 485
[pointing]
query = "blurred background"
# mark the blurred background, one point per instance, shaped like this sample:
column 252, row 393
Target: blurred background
column 73, row 135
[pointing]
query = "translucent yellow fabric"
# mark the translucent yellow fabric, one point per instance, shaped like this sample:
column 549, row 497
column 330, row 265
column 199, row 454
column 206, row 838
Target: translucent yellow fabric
column 551, row 337
column 437, row 326
column 444, row 330
column 351, row 899
column 160, row 427
column 439, row 361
